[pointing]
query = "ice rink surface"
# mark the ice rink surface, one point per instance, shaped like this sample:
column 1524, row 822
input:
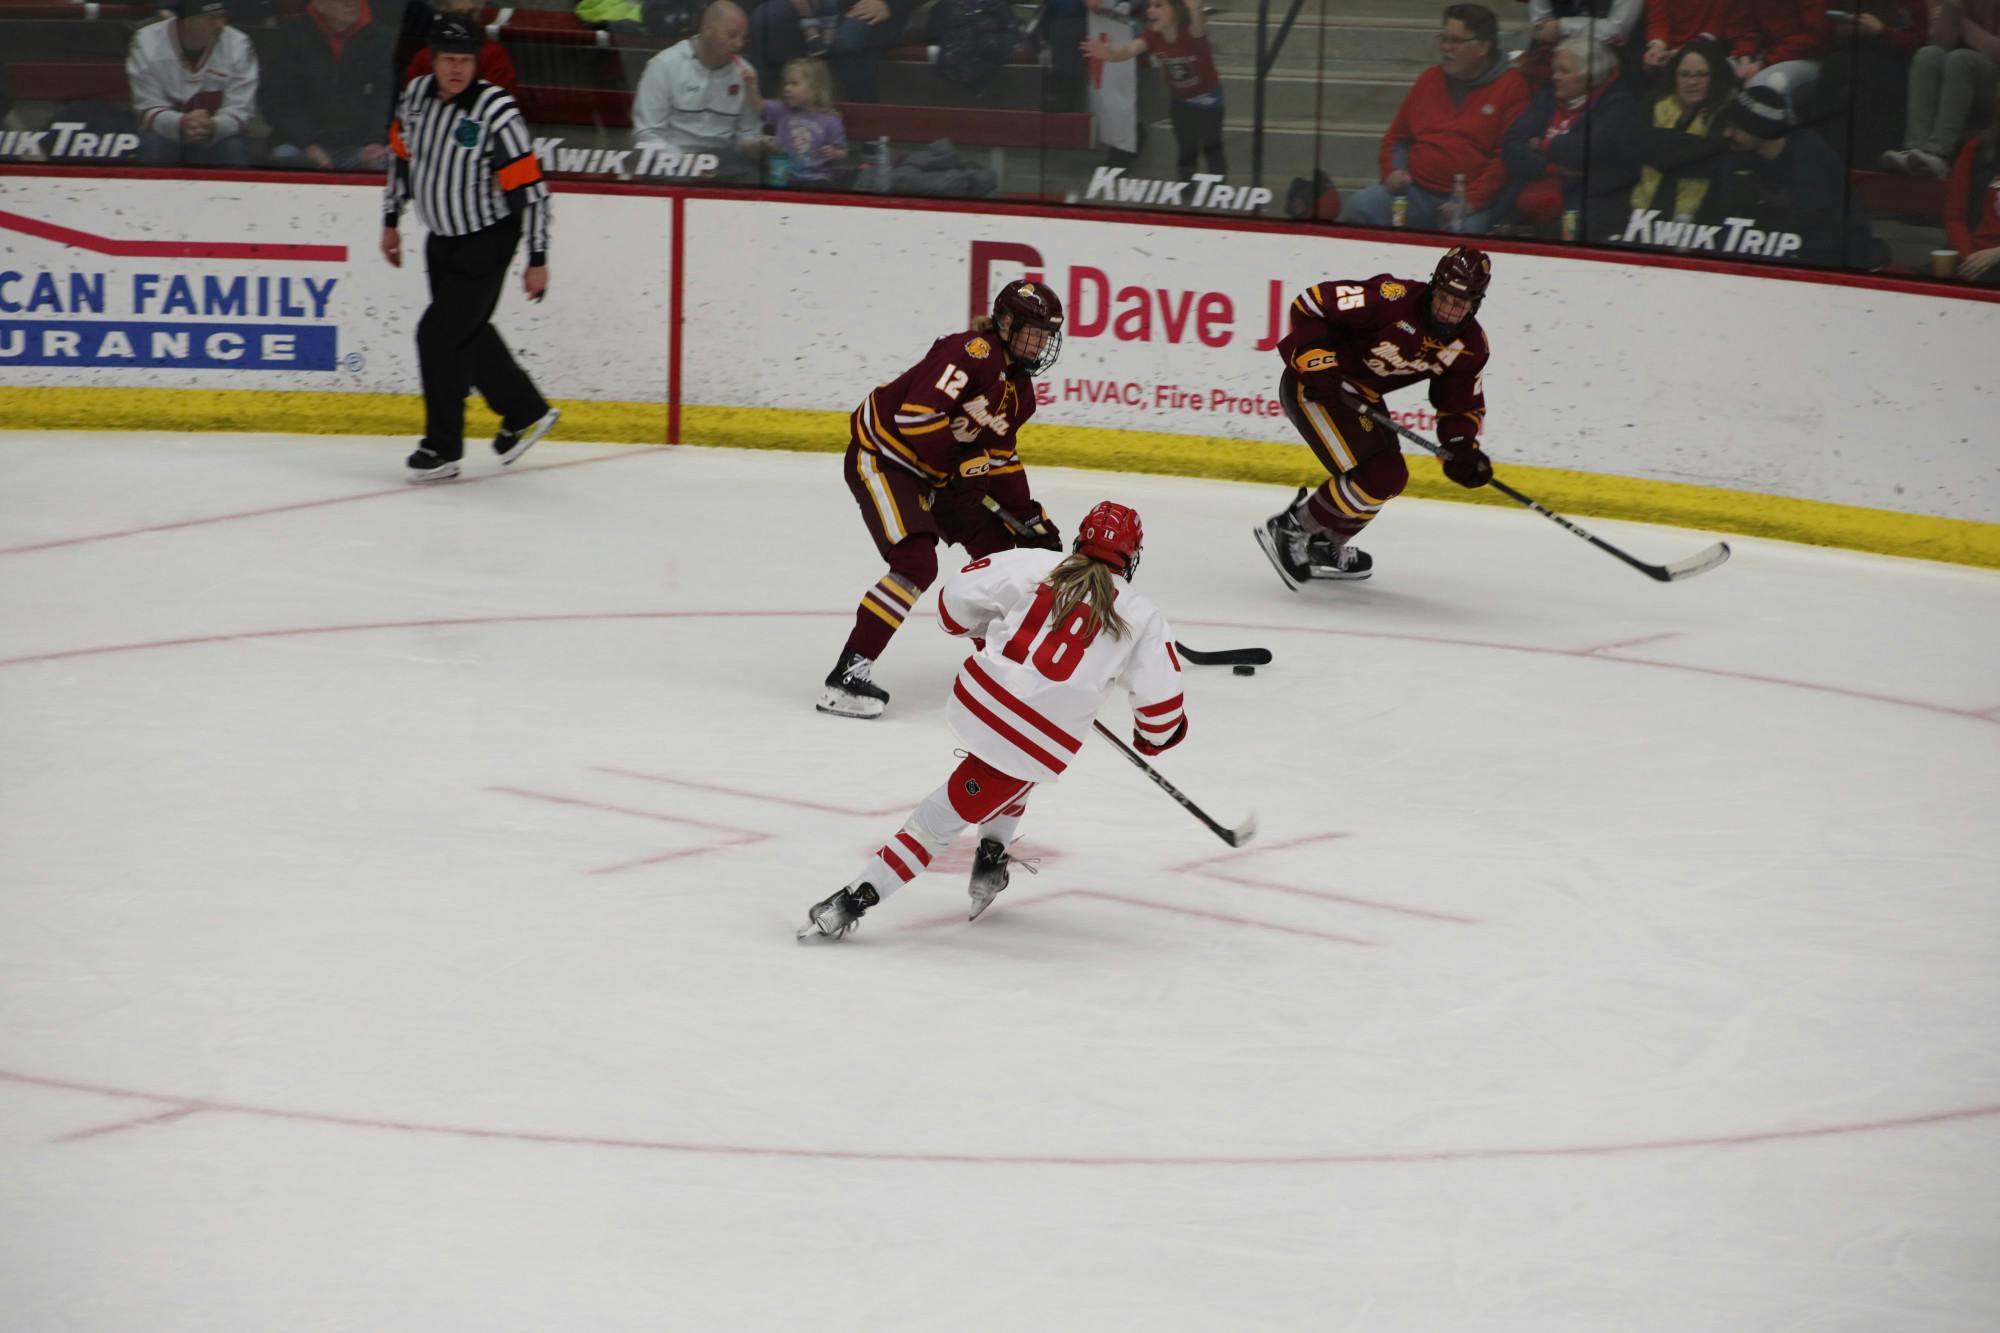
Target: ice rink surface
column 397, row 890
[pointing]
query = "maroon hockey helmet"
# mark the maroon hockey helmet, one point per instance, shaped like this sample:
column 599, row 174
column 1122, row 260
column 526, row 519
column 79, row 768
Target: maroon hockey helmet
column 1029, row 305
column 1464, row 271
column 1111, row 533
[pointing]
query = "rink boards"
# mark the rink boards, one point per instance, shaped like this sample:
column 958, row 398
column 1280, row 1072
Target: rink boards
column 1843, row 412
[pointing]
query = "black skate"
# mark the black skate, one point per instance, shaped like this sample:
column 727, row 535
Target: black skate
column 850, row 692
column 1328, row 561
column 836, row 916
column 989, row 874
column 1284, row 541
column 511, row 444
column 424, row 465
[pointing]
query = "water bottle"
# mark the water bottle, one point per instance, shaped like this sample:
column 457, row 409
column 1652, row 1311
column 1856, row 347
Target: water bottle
column 1458, row 203
column 1399, row 210
column 878, row 165
column 778, row 168
column 1569, row 224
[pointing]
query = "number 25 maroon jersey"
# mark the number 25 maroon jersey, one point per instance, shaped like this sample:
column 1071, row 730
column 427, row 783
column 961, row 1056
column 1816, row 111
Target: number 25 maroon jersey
column 1374, row 334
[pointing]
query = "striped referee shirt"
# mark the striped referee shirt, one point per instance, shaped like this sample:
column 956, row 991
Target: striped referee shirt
column 468, row 163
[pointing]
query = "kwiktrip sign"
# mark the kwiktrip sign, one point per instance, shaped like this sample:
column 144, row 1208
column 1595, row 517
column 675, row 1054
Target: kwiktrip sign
column 92, row 299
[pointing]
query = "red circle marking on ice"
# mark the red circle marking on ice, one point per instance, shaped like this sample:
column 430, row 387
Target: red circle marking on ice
column 186, row 1107
column 182, row 1108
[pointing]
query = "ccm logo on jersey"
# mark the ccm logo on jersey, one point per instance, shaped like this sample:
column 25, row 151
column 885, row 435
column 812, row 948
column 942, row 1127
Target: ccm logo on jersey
column 1315, row 358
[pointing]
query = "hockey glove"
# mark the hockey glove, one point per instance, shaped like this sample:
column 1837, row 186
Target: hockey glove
column 1144, row 746
column 1319, row 372
column 1042, row 534
column 1467, row 464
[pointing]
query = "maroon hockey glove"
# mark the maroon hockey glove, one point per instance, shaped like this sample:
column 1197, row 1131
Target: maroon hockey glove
column 1467, row 464
column 1144, row 746
column 1319, row 372
column 1043, row 535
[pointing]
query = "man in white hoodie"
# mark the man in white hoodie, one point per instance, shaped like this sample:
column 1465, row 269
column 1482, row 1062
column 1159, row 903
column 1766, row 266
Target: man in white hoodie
column 700, row 96
column 194, row 87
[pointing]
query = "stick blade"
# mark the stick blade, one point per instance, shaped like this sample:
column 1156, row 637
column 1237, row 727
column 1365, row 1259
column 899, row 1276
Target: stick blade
column 1243, row 832
column 1224, row 656
column 1698, row 563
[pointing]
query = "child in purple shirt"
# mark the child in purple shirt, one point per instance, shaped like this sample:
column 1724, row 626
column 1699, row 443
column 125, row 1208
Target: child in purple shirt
column 804, row 126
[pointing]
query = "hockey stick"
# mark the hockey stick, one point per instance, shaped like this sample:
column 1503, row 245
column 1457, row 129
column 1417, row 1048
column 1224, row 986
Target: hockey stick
column 1235, row 837
column 1223, row 657
column 1699, row 563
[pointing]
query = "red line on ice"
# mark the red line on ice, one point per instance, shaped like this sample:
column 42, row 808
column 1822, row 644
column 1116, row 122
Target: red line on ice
column 157, row 1118
column 404, row 489
column 1988, row 716
column 1386, row 1157
column 795, row 803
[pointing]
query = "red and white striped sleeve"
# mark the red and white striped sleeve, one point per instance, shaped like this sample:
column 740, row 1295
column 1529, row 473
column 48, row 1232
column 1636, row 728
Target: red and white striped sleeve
column 1153, row 679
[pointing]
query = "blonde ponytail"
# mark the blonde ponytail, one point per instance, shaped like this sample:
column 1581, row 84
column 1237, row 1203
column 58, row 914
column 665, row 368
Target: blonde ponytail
column 1080, row 578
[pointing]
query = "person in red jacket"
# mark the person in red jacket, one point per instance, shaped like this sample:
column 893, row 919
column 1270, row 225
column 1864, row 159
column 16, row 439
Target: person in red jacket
column 1672, row 24
column 1972, row 207
column 1446, row 136
column 495, row 65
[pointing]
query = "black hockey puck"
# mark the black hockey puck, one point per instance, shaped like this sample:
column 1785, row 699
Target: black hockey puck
column 1245, row 669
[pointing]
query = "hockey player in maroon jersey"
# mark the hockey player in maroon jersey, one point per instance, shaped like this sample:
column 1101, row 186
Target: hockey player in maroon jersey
column 1052, row 636
column 926, row 449
column 1350, row 344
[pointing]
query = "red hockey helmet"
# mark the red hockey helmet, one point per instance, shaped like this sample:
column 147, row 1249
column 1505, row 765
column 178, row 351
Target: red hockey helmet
column 1111, row 533
column 1465, row 272
column 1023, row 305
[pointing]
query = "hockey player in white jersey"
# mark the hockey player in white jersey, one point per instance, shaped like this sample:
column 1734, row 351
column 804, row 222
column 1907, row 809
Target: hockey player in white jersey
column 1052, row 635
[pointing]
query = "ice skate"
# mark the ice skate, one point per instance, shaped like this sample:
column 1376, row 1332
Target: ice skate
column 850, row 692
column 511, row 444
column 424, row 465
column 989, row 874
column 836, row 916
column 1284, row 541
column 1328, row 561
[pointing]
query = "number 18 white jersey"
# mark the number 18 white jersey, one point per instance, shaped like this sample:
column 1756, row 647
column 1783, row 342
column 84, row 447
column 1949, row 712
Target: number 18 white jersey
column 1024, row 701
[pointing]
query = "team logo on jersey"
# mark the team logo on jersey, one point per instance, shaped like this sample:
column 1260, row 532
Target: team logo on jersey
column 466, row 133
column 978, row 348
column 1028, row 290
column 1394, row 291
column 971, row 787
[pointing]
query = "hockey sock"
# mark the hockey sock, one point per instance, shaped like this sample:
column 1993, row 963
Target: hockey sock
column 881, row 613
column 1340, row 509
column 927, row 832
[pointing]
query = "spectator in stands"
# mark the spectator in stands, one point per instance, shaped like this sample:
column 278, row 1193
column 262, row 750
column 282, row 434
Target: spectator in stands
column 1952, row 84
column 1865, row 78
column 1177, row 38
column 1680, row 150
column 495, row 65
column 852, row 37
column 329, row 94
column 1573, row 150
column 804, row 126
column 1786, row 182
column 194, row 87
column 1782, row 49
column 1672, row 24
column 1613, row 22
column 1449, row 128
column 1972, row 207
column 700, row 96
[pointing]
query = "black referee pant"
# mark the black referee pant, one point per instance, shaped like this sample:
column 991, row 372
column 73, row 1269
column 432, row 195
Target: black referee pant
column 457, row 345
